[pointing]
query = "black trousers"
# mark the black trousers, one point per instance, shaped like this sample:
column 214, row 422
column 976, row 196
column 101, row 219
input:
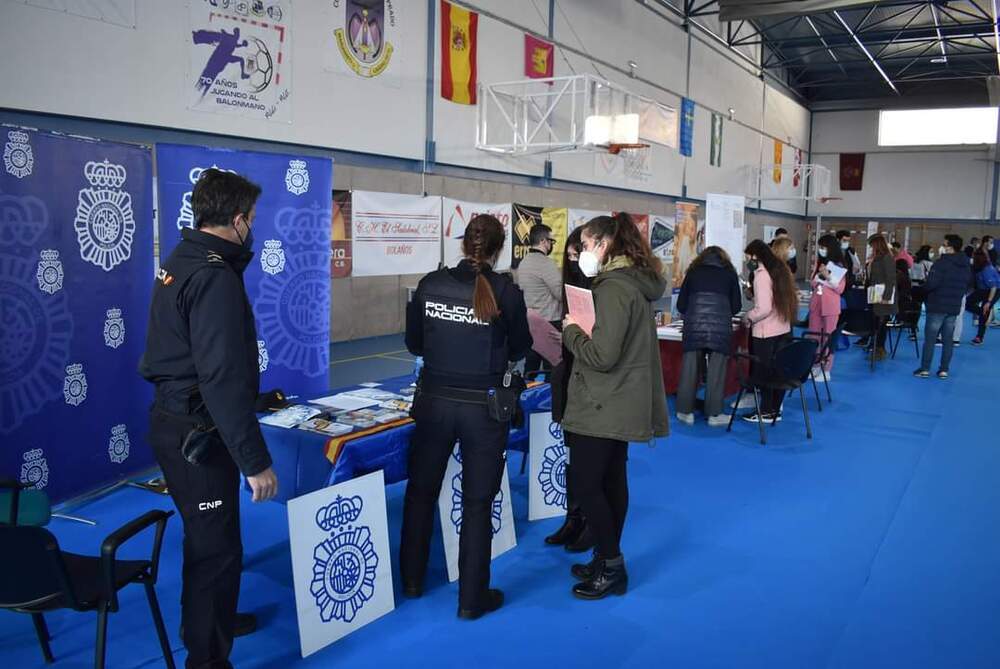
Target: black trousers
column 439, row 424
column 977, row 301
column 207, row 497
column 763, row 348
column 599, row 480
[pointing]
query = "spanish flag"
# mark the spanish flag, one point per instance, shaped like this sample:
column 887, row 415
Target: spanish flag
column 458, row 54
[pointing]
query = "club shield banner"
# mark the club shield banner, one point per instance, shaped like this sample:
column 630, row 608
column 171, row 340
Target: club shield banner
column 288, row 281
column 341, row 566
column 547, row 479
column 450, row 506
column 240, row 58
column 395, row 234
column 76, row 272
column 456, row 214
column 366, row 39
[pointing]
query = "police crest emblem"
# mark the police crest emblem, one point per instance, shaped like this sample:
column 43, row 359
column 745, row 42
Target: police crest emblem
column 297, row 177
column 18, row 159
column 50, row 272
column 552, row 476
column 104, row 223
column 118, row 445
column 263, row 359
column 362, row 41
column 345, row 565
column 114, row 328
column 272, row 259
column 35, row 469
column 75, row 385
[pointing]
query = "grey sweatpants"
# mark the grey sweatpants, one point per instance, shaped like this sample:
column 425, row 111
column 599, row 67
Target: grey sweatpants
column 715, row 383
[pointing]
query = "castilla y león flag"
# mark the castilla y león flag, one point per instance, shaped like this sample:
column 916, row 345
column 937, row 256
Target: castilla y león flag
column 852, row 171
column 458, row 53
column 537, row 57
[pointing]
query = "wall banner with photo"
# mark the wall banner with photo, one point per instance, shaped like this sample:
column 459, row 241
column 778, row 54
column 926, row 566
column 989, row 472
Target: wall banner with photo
column 456, row 214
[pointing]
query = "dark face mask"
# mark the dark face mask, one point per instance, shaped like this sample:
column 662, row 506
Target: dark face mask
column 247, row 241
column 752, row 265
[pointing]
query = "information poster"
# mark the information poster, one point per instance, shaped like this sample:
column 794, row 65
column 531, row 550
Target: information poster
column 724, row 223
column 340, row 235
column 456, row 215
column 661, row 237
column 240, row 58
column 689, row 238
column 395, row 234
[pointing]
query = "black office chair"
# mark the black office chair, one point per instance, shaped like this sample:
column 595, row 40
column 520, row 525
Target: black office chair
column 906, row 321
column 790, row 366
column 823, row 355
column 36, row 577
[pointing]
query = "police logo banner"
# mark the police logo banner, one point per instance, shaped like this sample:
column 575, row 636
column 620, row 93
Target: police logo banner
column 341, row 566
column 76, row 271
column 456, row 214
column 450, row 507
column 288, row 282
column 549, row 459
column 240, row 58
column 395, row 234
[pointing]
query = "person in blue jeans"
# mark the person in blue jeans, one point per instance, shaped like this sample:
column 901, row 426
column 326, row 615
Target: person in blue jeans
column 948, row 282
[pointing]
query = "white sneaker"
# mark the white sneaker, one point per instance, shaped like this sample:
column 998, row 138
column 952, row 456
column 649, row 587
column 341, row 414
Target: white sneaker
column 686, row 418
column 722, row 420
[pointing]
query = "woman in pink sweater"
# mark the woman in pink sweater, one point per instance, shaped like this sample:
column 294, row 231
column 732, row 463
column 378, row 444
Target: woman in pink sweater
column 775, row 307
column 824, row 306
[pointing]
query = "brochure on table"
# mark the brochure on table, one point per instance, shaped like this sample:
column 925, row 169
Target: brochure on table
column 343, row 413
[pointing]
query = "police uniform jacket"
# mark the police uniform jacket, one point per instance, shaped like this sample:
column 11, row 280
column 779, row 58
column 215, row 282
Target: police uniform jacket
column 201, row 343
column 458, row 349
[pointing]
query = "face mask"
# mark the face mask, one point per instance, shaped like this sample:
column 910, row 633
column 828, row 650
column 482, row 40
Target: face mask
column 791, row 253
column 844, row 245
column 822, row 252
column 989, row 247
column 589, row 264
column 930, row 255
column 548, row 251
column 247, row 241
column 942, row 250
column 752, row 265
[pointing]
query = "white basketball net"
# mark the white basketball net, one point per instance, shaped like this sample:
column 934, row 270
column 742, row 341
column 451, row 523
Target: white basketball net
column 637, row 164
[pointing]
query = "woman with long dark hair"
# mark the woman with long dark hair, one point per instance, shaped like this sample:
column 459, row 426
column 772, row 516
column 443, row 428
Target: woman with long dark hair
column 574, row 534
column 616, row 390
column 709, row 298
column 882, row 271
column 776, row 305
column 468, row 323
column 824, row 305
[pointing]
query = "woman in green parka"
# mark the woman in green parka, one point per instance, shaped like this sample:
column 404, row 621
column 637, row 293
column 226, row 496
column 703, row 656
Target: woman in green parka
column 616, row 389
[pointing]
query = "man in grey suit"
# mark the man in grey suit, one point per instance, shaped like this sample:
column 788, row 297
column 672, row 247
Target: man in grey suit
column 541, row 283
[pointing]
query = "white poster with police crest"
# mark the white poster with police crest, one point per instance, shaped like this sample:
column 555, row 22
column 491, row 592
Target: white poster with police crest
column 547, row 474
column 240, row 58
column 341, row 566
column 450, row 506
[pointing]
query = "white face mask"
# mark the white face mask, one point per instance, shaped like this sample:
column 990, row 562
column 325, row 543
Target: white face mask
column 930, row 255
column 942, row 250
column 589, row 264
column 822, row 252
column 791, row 253
column 844, row 245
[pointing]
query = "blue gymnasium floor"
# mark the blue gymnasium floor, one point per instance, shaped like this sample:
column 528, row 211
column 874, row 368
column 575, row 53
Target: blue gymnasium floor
column 873, row 545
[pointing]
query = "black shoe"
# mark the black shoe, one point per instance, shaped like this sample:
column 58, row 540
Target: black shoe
column 585, row 572
column 245, row 624
column 612, row 580
column 413, row 591
column 584, row 541
column 494, row 600
column 569, row 532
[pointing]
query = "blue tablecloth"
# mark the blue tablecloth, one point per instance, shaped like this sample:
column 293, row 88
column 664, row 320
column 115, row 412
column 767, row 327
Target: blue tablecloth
column 302, row 466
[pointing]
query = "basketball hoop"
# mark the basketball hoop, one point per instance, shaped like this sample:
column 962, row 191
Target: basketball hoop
column 615, row 149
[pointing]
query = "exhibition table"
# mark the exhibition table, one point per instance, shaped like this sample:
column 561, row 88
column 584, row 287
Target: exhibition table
column 672, row 352
column 306, row 461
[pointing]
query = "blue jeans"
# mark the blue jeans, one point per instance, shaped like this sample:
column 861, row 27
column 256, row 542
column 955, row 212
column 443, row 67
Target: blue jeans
column 938, row 324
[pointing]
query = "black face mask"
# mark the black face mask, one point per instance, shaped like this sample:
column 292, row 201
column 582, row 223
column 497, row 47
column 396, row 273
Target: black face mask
column 752, row 265
column 247, row 241
column 548, row 251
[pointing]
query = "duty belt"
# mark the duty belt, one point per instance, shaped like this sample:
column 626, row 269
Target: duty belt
column 466, row 395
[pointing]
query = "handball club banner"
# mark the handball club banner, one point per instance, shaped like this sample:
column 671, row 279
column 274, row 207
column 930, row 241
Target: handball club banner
column 288, row 281
column 76, row 271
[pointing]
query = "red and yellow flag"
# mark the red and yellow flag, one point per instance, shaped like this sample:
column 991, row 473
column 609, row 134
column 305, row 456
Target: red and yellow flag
column 458, row 53
column 776, row 170
column 537, row 57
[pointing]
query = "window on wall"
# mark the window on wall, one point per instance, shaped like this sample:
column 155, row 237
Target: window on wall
column 937, row 127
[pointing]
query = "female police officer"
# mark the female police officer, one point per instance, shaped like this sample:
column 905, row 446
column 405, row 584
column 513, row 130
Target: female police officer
column 467, row 322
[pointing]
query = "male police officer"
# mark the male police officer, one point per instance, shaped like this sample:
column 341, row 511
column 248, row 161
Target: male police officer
column 201, row 352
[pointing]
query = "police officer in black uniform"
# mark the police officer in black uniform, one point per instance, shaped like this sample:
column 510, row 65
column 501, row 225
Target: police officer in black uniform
column 201, row 353
column 468, row 323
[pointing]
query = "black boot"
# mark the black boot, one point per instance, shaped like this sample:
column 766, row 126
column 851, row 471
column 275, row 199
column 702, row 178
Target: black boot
column 569, row 531
column 612, row 580
column 585, row 572
column 584, row 541
column 492, row 602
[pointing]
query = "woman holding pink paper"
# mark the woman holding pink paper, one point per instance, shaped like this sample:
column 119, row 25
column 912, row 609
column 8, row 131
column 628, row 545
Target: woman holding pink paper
column 616, row 393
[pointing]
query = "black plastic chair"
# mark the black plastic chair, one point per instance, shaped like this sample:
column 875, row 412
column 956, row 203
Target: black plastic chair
column 36, row 577
column 907, row 321
column 823, row 355
column 790, row 366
